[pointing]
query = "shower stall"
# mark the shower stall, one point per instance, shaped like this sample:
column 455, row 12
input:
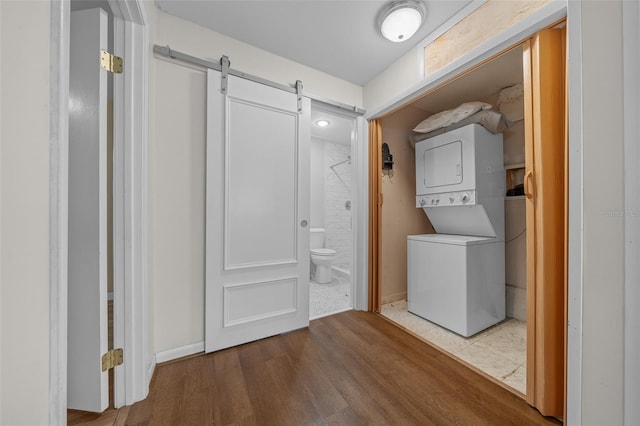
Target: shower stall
column 338, row 205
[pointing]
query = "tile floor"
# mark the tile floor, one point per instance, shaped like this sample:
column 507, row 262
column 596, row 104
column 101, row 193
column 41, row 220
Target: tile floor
column 327, row 299
column 499, row 351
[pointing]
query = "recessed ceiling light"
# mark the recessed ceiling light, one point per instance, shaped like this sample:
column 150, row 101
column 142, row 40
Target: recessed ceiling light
column 400, row 19
column 322, row 123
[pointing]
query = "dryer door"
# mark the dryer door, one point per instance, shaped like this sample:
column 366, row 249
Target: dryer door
column 446, row 163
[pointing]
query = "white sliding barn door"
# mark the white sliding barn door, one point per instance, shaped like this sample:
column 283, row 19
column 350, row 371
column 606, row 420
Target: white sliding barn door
column 257, row 234
column 87, row 384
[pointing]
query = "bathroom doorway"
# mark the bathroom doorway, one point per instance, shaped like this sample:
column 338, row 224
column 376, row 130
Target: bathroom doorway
column 332, row 207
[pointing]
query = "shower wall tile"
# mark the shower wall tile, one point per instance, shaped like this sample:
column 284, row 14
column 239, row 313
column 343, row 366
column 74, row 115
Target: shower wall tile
column 337, row 193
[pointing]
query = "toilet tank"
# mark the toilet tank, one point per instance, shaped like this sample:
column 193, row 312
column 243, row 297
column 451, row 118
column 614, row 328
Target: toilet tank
column 316, row 238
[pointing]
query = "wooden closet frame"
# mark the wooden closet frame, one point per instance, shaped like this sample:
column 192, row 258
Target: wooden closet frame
column 546, row 387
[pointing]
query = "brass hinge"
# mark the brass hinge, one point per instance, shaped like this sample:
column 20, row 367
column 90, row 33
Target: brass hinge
column 111, row 62
column 112, row 358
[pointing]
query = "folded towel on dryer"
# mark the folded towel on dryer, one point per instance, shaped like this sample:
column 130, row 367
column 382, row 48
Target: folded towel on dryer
column 450, row 116
column 493, row 121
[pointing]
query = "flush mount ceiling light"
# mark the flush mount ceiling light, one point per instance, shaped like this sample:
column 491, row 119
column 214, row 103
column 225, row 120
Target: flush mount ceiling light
column 322, row 123
column 400, row 19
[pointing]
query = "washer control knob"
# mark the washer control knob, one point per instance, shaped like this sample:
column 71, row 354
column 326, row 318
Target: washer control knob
column 423, row 201
column 464, row 197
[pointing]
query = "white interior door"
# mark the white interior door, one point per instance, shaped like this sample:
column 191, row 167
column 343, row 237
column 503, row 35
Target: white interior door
column 87, row 385
column 257, row 242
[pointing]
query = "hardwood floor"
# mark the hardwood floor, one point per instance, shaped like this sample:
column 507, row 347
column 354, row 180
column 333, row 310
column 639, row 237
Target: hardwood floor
column 352, row 368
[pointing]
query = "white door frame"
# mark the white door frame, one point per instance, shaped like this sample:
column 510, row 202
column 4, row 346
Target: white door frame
column 130, row 205
column 631, row 64
column 130, row 202
column 360, row 181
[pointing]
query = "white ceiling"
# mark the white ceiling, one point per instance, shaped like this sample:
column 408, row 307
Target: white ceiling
column 336, row 37
column 339, row 129
column 340, row 38
column 485, row 80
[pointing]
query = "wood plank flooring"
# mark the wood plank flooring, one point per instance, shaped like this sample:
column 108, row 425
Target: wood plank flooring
column 354, row 368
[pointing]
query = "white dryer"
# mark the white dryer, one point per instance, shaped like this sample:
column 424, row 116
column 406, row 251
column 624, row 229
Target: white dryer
column 456, row 278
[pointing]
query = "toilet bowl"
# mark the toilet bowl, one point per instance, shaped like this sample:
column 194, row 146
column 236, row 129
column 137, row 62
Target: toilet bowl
column 321, row 258
column 321, row 261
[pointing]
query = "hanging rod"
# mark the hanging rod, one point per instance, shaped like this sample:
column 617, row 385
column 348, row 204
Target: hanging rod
column 167, row 52
column 348, row 160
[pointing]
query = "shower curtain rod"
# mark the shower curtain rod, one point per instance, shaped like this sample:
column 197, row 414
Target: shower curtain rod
column 341, row 162
column 167, row 52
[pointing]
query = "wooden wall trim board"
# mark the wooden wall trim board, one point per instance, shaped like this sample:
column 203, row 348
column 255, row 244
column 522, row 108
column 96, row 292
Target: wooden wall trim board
column 530, row 211
column 566, row 216
column 375, row 213
column 489, row 20
column 546, row 144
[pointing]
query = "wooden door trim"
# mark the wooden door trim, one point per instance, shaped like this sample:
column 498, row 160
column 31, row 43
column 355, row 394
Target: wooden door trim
column 546, row 221
column 530, row 212
column 566, row 218
column 375, row 214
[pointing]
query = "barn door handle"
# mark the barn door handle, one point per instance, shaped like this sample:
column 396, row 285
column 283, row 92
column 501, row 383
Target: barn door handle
column 528, row 176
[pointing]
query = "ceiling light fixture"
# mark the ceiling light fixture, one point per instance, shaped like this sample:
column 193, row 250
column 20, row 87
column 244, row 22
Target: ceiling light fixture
column 400, row 19
column 322, row 123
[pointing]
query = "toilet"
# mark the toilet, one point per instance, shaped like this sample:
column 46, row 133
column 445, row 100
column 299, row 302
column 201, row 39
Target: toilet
column 321, row 258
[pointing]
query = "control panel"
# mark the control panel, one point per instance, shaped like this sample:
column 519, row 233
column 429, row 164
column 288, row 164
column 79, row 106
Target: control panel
column 447, row 199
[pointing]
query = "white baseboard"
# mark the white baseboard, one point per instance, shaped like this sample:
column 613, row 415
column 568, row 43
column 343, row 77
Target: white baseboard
column 180, row 352
column 150, row 370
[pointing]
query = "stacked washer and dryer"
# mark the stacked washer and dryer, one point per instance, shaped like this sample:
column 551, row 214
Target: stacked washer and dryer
column 456, row 277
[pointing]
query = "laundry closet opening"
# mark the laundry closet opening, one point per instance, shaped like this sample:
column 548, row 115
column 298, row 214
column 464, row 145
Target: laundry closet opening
column 468, row 231
column 496, row 346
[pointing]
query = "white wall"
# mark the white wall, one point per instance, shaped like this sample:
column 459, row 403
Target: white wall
column 24, row 212
column 602, row 365
column 177, row 165
column 631, row 52
column 395, row 80
column 316, row 216
column 198, row 41
column 337, row 191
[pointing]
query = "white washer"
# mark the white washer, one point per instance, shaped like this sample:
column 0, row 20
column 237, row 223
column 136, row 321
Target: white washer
column 456, row 281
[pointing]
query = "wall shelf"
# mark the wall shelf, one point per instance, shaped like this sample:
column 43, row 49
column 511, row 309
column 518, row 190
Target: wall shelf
column 514, row 166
